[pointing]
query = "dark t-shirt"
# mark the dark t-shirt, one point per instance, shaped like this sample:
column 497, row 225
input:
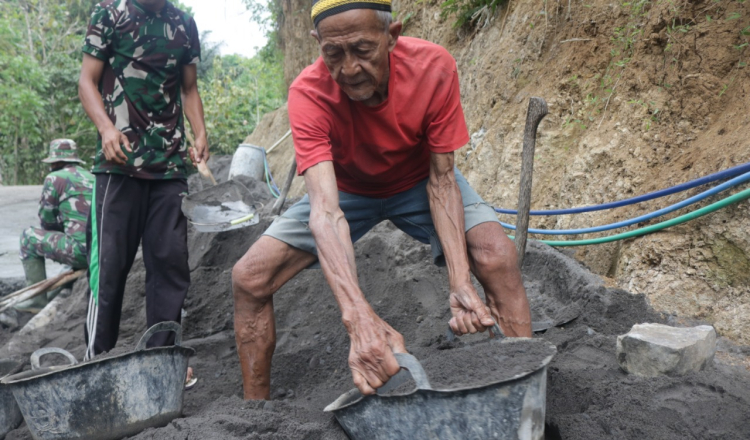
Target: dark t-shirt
column 383, row 150
column 144, row 53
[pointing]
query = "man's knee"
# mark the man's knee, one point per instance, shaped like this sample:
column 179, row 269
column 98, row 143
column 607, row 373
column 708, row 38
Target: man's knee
column 251, row 277
column 493, row 252
column 27, row 236
column 27, row 242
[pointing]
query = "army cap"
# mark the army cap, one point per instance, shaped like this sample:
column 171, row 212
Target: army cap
column 62, row 150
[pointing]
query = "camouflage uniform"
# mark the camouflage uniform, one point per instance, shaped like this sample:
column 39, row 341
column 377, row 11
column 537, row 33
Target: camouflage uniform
column 138, row 203
column 63, row 212
column 144, row 53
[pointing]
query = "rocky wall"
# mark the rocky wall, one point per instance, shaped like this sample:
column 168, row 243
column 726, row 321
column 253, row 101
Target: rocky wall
column 642, row 96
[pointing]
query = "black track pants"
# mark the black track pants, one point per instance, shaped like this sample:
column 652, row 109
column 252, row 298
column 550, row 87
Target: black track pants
column 128, row 210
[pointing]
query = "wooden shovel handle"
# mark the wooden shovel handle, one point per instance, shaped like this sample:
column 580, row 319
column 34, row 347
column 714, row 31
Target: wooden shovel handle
column 206, row 171
column 537, row 111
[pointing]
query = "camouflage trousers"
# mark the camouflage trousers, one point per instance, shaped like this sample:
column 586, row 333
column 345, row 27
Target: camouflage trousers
column 37, row 242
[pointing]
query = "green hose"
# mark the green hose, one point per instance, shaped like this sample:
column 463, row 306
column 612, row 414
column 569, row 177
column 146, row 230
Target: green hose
column 657, row 227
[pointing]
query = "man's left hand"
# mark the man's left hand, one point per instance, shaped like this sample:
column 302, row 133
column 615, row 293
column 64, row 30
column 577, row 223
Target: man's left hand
column 199, row 152
column 470, row 314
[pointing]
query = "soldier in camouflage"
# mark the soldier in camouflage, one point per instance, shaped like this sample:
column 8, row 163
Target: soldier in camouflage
column 63, row 214
column 137, row 78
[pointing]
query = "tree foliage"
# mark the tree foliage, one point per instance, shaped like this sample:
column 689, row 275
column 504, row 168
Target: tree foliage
column 40, row 61
column 236, row 92
column 268, row 14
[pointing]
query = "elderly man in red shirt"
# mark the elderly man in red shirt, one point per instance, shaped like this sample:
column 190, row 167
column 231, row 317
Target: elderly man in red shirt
column 376, row 120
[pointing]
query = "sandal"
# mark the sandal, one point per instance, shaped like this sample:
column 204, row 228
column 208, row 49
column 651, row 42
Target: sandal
column 190, row 379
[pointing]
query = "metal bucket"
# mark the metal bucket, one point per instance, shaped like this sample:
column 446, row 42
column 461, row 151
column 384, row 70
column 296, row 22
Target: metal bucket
column 104, row 399
column 512, row 409
column 10, row 414
column 248, row 160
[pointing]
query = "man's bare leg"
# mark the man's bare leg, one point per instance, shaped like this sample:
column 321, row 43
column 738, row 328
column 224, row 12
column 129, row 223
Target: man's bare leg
column 494, row 262
column 267, row 265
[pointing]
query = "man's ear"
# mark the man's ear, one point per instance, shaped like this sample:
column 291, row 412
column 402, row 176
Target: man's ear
column 394, row 31
column 314, row 34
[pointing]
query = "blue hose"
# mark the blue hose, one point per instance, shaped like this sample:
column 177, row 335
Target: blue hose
column 269, row 177
column 713, row 191
column 721, row 175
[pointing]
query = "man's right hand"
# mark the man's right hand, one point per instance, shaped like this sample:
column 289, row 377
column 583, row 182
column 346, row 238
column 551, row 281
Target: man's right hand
column 113, row 141
column 371, row 358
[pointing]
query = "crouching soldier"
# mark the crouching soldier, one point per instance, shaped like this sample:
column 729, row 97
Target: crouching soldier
column 63, row 214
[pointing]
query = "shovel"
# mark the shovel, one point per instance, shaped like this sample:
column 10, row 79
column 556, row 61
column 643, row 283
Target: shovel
column 223, row 207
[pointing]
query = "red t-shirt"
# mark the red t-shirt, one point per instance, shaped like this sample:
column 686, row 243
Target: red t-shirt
column 383, row 150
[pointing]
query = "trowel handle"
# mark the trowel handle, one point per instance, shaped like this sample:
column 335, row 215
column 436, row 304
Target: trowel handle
column 166, row 326
column 412, row 365
column 206, row 171
column 496, row 330
column 37, row 355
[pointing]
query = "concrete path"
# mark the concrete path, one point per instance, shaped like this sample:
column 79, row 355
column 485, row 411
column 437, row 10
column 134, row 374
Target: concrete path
column 18, row 210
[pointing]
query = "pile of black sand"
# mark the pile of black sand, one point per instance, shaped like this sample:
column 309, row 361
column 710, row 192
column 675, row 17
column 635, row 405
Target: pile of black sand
column 11, row 320
column 10, row 285
column 588, row 396
column 490, row 361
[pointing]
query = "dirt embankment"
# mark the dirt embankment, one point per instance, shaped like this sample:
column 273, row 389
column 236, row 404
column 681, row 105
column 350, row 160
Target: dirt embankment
column 642, row 96
column 588, row 396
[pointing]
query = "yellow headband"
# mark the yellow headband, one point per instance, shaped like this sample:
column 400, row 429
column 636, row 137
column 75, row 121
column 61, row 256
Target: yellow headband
column 325, row 8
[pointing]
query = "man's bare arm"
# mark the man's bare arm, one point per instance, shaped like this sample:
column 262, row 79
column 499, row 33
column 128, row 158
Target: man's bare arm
column 446, row 205
column 193, row 106
column 373, row 341
column 88, row 92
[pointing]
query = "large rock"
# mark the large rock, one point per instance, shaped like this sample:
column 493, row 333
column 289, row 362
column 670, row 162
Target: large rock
column 654, row 349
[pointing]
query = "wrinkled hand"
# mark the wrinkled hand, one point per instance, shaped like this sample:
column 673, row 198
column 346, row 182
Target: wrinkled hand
column 199, row 152
column 470, row 315
column 371, row 359
column 113, row 141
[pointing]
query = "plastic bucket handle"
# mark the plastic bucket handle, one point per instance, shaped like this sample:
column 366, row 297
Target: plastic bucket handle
column 166, row 326
column 410, row 367
column 37, row 355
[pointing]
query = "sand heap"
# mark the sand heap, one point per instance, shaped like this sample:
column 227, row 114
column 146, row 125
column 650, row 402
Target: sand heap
column 588, row 396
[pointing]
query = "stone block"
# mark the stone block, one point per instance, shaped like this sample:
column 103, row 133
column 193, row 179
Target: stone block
column 651, row 350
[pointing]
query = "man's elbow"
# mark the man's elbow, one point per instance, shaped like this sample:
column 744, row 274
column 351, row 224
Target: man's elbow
column 85, row 83
column 189, row 91
column 80, row 88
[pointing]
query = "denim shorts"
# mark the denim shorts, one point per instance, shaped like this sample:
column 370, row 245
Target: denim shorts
column 408, row 210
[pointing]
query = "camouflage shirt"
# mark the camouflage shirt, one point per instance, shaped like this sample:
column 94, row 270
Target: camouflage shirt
column 144, row 53
column 66, row 200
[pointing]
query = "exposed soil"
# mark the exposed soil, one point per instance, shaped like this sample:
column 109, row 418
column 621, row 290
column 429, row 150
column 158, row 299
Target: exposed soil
column 642, row 96
column 588, row 396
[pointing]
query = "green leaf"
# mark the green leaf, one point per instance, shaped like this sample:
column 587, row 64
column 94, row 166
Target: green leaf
column 733, row 16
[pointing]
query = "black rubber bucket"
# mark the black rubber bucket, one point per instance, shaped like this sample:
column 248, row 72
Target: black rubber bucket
column 512, row 409
column 10, row 414
column 104, row 399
